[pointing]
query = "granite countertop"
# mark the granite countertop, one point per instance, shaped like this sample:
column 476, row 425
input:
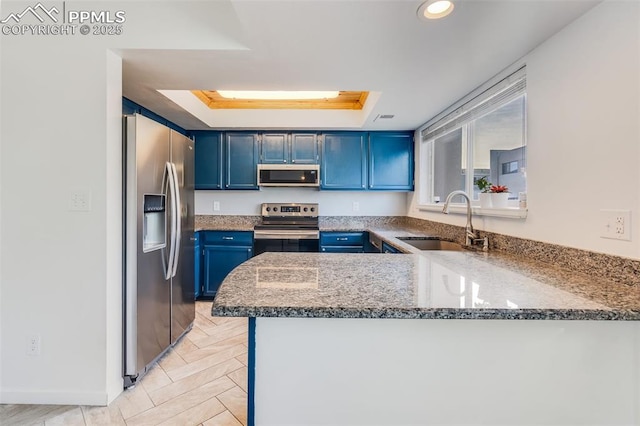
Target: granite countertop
column 431, row 285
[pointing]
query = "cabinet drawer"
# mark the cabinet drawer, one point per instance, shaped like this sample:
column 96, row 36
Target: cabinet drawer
column 342, row 249
column 341, row 238
column 244, row 238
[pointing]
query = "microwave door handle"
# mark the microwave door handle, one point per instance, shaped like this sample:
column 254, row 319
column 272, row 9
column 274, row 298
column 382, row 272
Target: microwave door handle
column 172, row 235
column 177, row 219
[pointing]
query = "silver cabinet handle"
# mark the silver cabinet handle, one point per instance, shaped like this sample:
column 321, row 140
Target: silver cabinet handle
column 227, row 238
column 342, row 239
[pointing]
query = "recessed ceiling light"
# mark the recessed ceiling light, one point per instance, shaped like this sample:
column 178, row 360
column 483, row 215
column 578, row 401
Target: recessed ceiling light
column 435, row 9
column 278, row 94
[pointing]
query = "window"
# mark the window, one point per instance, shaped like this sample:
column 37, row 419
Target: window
column 484, row 137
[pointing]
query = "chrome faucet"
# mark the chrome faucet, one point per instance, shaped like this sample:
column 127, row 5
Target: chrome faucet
column 471, row 236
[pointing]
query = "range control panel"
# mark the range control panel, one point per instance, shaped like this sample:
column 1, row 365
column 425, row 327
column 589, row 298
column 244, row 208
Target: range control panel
column 290, row 209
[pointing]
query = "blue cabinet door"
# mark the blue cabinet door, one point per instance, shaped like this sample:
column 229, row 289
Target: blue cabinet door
column 304, row 148
column 344, row 161
column 275, row 148
column 241, row 160
column 218, row 261
column 388, row 248
column 391, row 161
column 208, row 160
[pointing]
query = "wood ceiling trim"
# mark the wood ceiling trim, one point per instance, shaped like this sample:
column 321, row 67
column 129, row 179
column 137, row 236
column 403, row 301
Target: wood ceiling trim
column 345, row 100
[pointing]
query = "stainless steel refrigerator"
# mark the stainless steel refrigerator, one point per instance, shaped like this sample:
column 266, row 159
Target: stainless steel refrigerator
column 159, row 287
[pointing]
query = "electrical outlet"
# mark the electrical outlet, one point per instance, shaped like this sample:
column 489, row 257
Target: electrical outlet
column 216, row 206
column 615, row 224
column 33, row 345
column 619, row 225
column 356, row 206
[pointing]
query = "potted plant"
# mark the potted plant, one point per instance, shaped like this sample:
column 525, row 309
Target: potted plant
column 483, row 185
column 499, row 196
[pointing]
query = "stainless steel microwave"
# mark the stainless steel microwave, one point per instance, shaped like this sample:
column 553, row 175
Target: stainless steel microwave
column 288, row 175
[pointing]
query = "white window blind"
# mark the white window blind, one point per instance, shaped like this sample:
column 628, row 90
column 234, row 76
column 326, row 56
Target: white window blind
column 500, row 93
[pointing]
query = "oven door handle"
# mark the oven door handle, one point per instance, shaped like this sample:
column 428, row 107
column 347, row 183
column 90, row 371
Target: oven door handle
column 285, row 235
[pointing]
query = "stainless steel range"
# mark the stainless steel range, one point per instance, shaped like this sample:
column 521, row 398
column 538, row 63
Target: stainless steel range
column 287, row 227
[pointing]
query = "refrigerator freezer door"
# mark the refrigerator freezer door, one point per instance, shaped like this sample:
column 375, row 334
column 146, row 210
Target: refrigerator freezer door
column 183, row 283
column 147, row 292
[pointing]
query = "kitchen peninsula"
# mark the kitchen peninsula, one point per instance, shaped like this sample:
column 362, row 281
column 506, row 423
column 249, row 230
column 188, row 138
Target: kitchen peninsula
column 434, row 338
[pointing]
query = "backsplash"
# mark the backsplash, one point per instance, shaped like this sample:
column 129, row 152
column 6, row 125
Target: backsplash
column 616, row 268
column 226, row 222
column 359, row 222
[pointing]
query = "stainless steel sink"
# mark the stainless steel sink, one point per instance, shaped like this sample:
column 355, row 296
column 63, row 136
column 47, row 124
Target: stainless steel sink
column 430, row 244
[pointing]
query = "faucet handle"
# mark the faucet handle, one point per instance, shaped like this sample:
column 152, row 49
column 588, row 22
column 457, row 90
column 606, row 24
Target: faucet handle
column 477, row 241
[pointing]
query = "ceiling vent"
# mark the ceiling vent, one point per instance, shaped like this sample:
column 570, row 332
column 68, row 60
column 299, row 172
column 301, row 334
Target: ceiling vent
column 384, row 117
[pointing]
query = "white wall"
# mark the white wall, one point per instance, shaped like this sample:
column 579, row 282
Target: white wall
column 583, row 148
column 446, row 372
column 331, row 203
column 60, row 270
column 53, row 260
column 113, row 228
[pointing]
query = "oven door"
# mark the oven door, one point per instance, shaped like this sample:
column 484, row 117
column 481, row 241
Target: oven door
column 285, row 241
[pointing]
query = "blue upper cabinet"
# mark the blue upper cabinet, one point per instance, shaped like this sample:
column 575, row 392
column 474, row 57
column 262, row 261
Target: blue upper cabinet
column 241, row 160
column 286, row 148
column 304, row 148
column 391, row 161
column 275, row 148
column 208, row 160
column 129, row 107
column 344, row 163
column 356, row 161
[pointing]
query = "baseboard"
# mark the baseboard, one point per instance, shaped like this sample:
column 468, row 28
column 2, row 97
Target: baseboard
column 54, row 398
column 114, row 390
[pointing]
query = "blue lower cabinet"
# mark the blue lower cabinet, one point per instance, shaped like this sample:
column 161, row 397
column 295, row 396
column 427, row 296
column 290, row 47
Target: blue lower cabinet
column 342, row 242
column 387, row 248
column 221, row 252
column 338, row 249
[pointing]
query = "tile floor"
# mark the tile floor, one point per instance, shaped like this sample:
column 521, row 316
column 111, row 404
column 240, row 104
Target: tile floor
column 201, row 381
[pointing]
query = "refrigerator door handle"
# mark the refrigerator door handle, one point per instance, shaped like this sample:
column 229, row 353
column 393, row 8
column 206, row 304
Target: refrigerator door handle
column 177, row 219
column 169, row 171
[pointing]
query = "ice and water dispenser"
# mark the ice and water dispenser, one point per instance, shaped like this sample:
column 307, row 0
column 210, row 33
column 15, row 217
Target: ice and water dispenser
column 154, row 234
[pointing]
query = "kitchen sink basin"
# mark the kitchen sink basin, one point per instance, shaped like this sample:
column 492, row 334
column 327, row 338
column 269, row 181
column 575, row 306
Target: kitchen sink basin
column 430, row 244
